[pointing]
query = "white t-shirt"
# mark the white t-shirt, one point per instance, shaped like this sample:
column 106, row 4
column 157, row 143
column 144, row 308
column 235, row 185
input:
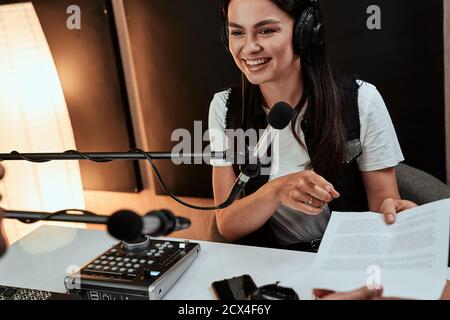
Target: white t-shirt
column 379, row 145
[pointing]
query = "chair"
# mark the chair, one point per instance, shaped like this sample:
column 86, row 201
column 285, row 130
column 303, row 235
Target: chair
column 420, row 187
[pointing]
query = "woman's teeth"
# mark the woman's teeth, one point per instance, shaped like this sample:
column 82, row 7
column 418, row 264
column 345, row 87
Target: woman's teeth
column 255, row 63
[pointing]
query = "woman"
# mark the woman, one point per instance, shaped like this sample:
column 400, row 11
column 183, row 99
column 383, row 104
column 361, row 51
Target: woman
column 278, row 46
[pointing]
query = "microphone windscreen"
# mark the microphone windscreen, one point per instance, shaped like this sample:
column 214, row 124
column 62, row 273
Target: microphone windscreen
column 125, row 225
column 280, row 115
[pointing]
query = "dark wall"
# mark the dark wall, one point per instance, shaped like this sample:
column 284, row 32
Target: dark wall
column 180, row 64
column 405, row 60
column 90, row 70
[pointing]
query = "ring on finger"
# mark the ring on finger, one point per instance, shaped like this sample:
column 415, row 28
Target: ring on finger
column 310, row 202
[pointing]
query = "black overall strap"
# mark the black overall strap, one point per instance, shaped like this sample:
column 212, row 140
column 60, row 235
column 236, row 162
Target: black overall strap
column 349, row 184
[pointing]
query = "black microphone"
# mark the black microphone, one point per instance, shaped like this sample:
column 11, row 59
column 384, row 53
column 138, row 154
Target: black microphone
column 280, row 116
column 128, row 226
column 123, row 225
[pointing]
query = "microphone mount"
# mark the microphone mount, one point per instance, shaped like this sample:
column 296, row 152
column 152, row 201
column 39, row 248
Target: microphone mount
column 160, row 223
column 108, row 156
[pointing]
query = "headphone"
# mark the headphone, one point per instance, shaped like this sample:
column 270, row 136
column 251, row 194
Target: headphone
column 308, row 29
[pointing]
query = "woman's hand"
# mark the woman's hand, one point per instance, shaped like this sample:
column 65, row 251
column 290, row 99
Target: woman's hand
column 391, row 207
column 383, row 195
column 304, row 191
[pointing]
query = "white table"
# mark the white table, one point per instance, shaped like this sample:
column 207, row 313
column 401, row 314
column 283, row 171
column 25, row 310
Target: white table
column 41, row 261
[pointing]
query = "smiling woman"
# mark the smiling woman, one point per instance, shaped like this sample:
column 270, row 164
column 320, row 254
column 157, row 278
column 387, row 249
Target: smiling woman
column 340, row 151
column 262, row 49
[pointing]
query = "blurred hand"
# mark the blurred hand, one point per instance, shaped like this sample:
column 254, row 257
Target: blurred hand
column 446, row 293
column 304, row 191
column 359, row 294
column 366, row 294
column 391, row 207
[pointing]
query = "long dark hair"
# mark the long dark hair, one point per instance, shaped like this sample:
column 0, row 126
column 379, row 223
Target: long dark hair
column 324, row 96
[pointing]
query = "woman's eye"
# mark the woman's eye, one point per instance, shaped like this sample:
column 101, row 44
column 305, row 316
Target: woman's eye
column 266, row 31
column 236, row 33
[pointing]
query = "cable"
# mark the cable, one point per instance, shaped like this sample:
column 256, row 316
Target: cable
column 166, row 189
column 18, row 154
column 85, row 156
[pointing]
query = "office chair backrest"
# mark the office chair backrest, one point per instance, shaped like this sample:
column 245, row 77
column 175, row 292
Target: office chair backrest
column 420, row 187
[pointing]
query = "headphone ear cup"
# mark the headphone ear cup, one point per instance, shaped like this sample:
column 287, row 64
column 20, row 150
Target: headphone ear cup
column 308, row 32
column 318, row 35
column 303, row 31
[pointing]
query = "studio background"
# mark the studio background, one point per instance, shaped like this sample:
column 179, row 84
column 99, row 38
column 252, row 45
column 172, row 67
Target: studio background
column 139, row 69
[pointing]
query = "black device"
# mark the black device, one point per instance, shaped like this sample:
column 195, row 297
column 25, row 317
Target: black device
column 14, row 293
column 274, row 292
column 144, row 269
column 308, row 30
column 237, row 288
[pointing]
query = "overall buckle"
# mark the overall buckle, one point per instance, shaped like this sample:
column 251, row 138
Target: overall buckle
column 315, row 244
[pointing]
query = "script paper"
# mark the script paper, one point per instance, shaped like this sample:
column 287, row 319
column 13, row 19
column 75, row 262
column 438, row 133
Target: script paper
column 408, row 259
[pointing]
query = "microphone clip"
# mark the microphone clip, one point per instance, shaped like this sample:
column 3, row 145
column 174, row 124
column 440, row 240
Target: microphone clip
column 251, row 170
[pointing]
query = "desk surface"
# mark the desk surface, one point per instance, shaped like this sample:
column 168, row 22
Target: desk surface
column 42, row 259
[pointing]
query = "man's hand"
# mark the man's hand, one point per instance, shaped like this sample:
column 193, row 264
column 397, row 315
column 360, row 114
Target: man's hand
column 391, row 207
column 365, row 294
column 361, row 294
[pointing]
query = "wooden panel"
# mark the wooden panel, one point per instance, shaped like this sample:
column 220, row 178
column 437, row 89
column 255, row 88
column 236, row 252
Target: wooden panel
column 89, row 67
column 180, row 63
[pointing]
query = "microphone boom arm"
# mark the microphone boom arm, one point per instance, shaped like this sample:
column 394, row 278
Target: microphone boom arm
column 155, row 223
column 108, row 156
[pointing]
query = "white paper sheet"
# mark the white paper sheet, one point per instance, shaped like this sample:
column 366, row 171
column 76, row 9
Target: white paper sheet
column 408, row 259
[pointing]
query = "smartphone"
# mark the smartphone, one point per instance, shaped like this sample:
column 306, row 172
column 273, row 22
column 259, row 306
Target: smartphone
column 238, row 288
